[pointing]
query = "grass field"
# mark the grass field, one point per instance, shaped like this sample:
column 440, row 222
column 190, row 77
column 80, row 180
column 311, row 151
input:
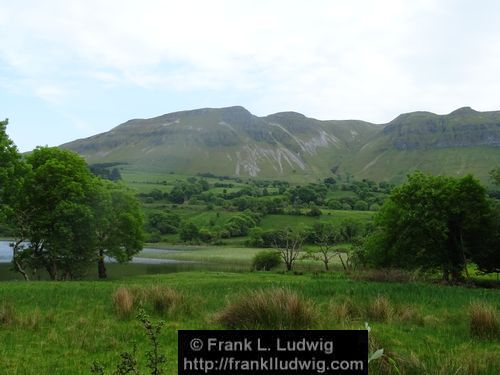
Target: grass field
column 61, row 328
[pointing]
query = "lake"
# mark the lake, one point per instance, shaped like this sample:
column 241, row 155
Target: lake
column 6, row 255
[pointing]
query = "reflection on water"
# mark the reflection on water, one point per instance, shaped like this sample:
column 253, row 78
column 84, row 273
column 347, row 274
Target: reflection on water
column 6, row 255
column 5, row 252
column 139, row 266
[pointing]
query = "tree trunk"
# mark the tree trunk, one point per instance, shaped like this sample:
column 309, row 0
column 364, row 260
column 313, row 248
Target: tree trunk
column 446, row 274
column 342, row 261
column 101, row 267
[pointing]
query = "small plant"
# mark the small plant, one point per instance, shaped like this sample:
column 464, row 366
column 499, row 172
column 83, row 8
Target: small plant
column 129, row 364
column 483, row 321
column 266, row 260
column 124, row 302
column 384, row 362
column 271, row 309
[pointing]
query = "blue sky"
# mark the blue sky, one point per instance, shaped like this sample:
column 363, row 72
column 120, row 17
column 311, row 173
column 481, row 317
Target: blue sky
column 71, row 69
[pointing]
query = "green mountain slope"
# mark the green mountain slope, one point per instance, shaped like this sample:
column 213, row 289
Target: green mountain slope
column 232, row 141
column 464, row 141
column 229, row 141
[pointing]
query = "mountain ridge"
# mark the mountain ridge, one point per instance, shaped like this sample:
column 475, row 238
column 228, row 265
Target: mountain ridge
column 233, row 141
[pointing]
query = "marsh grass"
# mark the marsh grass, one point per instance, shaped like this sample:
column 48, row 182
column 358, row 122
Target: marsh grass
column 161, row 299
column 123, row 300
column 166, row 300
column 380, row 309
column 7, row 313
column 269, row 309
column 483, row 321
column 344, row 312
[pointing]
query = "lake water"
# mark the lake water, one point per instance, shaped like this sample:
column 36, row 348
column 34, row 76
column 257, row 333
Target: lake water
column 6, row 255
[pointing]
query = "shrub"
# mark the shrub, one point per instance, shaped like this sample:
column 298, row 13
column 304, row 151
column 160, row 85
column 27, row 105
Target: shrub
column 268, row 309
column 124, row 302
column 314, row 212
column 129, row 363
column 266, row 260
column 483, row 320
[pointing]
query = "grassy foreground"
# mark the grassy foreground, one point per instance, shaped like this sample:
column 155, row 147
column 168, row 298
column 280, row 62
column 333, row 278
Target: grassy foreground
column 61, row 328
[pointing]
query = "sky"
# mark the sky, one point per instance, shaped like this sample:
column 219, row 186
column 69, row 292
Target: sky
column 72, row 69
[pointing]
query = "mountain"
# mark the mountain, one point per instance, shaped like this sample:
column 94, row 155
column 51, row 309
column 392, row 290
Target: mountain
column 232, row 141
column 464, row 141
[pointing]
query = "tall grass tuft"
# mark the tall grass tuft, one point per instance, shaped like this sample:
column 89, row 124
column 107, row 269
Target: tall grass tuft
column 124, row 302
column 269, row 309
column 344, row 312
column 165, row 299
column 380, row 309
column 483, row 321
column 7, row 314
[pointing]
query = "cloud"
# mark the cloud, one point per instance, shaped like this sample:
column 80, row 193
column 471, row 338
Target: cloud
column 329, row 59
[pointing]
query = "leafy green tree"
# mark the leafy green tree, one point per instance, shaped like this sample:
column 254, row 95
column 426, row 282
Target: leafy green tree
column 189, row 232
column 350, row 229
column 432, row 223
column 12, row 169
column 118, row 225
column 164, row 222
column 266, row 260
column 495, row 176
column 53, row 213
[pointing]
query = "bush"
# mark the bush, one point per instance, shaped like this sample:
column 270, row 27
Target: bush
column 483, row 321
column 266, row 260
column 124, row 302
column 314, row 212
column 189, row 232
column 268, row 309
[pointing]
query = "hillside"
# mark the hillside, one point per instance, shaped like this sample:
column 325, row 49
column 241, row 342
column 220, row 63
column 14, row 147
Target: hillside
column 229, row 141
column 232, row 141
column 464, row 141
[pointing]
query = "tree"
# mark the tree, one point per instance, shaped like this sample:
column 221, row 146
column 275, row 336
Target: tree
column 289, row 244
column 118, row 225
column 189, row 232
column 495, row 176
column 326, row 236
column 433, row 223
column 350, row 229
column 52, row 211
column 11, row 169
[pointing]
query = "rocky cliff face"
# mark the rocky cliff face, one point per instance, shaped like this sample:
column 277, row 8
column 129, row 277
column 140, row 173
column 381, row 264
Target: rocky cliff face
column 461, row 128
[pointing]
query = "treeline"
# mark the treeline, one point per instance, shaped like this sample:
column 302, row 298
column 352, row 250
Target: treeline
column 275, row 197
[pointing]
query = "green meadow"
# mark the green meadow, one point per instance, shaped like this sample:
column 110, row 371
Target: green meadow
column 61, row 328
